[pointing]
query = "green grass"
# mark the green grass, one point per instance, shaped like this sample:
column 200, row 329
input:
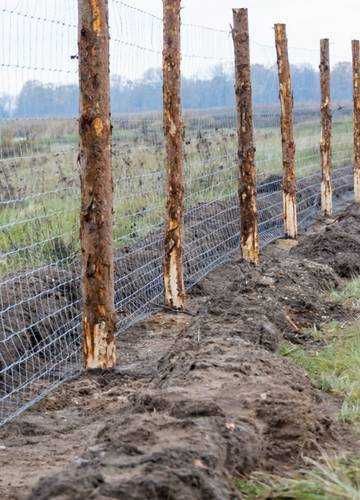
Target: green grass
column 334, row 368
column 327, row 479
column 350, row 292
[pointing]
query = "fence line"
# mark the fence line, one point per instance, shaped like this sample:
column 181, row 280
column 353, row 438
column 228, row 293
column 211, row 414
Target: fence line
column 40, row 299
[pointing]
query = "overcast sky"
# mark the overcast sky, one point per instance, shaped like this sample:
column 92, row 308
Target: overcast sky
column 38, row 37
column 307, row 20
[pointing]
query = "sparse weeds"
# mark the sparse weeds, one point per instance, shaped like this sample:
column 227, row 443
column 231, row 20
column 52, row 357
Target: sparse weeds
column 334, row 368
column 350, row 292
column 326, row 479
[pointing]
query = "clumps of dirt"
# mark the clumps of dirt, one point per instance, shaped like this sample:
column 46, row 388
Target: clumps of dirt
column 264, row 305
column 228, row 408
column 336, row 244
column 229, row 378
column 211, row 230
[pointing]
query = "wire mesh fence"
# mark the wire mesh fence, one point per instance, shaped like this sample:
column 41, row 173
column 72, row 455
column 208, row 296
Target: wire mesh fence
column 40, row 298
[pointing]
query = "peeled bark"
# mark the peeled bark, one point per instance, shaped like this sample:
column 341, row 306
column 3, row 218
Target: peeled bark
column 326, row 129
column 356, row 97
column 287, row 132
column 249, row 234
column 96, row 220
column 173, row 130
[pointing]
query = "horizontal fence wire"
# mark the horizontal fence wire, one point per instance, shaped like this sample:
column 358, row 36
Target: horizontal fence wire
column 40, row 298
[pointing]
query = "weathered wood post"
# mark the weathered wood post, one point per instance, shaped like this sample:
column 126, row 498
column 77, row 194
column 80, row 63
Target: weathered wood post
column 96, row 217
column 356, row 97
column 326, row 129
column 173, row 129
column 249, row 236
column 287, row 132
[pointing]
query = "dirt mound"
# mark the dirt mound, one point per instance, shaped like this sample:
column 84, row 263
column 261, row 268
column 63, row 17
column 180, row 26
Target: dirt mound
column 264, row 305
column 219, row 413
column 337, row 244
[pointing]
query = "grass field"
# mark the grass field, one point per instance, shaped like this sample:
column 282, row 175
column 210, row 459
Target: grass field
column 39, row 190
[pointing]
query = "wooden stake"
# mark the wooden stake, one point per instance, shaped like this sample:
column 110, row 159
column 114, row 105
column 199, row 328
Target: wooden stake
column 96, row 218
column 287, row 133
column 356, row 97
column 326, row 126
column 246, row 149
column 173, row 129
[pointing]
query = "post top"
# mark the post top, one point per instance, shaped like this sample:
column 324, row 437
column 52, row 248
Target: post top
column 240, row 11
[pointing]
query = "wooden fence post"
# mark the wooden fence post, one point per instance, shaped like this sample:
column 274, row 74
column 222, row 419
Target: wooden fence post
column 326, row 126
column 356, row 96
column 94, row 161
column 287, row 132
column 246, row 150
column 173, row 128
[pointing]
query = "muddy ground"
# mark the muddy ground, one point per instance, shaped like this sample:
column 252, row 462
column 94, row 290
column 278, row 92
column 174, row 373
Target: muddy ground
column 199, row 398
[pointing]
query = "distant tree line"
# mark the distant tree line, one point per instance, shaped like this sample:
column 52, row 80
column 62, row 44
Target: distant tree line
column 37, row 99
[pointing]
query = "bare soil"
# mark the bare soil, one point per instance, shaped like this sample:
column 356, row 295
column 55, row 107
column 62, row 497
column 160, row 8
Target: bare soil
column 198, row 398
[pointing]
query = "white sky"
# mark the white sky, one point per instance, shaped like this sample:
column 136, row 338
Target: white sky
column 307, row 20
column 34, row 46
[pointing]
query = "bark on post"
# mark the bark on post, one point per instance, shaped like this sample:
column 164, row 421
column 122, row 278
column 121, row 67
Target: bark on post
column 287, row 132
column 326, row 127
column 96, row 217
column 173, row 129
column 246, row 151
column 356, row 97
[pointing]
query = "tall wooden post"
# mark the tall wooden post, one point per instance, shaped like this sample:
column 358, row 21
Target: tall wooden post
column 356, row 97
column 96, row 186
column 173, row 129
column 287, row 132
column 326, row 126
column 246, row 150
